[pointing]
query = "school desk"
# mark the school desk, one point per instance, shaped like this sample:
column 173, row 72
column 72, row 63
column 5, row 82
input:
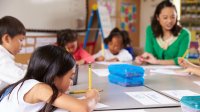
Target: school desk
column 167, row 82
column 113, row 95
column 176, row 109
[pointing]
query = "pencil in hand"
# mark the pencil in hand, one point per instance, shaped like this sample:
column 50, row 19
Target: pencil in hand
column 89, row 77
column 184, row 55
column 81, row 91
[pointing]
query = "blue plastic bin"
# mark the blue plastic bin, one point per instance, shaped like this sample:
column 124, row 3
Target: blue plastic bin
column 128, row 82
column 126, row 70
column 190, row 103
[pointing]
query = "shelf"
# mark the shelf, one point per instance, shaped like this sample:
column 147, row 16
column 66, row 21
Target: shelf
column 190, row 1
column 191, row 11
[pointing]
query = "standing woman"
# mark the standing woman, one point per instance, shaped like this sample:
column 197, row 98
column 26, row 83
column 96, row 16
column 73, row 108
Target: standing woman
column 165, row 39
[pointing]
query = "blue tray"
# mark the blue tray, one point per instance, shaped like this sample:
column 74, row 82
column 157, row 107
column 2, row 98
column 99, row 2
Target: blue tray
column 126, row 70
column 128, row 82
column 190, row 103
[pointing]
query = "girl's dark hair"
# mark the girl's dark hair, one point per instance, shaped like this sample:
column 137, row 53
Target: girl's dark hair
column 114, row 33
column 156, row 27
column 126, row 38
column 11, row 26
column 66, row 36
column 46, row 63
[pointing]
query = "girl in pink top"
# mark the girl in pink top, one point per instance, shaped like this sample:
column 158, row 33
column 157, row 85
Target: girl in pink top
column 68, row 40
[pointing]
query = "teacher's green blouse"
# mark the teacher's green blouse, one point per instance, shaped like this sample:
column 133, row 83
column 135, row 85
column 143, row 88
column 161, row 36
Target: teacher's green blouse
column 175, row 50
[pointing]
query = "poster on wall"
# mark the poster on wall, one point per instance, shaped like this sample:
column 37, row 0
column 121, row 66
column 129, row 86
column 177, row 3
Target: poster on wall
column 128, row 17
column 111, row 7
column 105, row 20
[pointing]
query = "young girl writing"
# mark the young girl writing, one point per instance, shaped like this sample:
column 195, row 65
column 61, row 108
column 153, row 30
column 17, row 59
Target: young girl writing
column 48, row 76
column 115, row 51
column 68, row 40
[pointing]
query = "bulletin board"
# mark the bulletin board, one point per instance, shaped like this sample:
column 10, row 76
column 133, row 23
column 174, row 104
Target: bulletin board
column 47, row 14
column 128, row 18
column 30, row 43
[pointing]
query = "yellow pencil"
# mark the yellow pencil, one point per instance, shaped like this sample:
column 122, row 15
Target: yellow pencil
column 78, row 92
column 102, row 48
column 186, row 52
column 81, row 91
column 89, row 77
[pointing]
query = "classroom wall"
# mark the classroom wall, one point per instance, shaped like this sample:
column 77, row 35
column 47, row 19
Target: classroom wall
column 147, row 8
column 36, row 39
column 46, row 14
column 145, row 17
column 31, row 42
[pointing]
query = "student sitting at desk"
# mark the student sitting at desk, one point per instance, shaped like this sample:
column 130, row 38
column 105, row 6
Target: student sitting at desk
column 190, row 67
column 115, row 51
column 165, row 39
column 12, row 33
column 49, row 75
column 68, row 40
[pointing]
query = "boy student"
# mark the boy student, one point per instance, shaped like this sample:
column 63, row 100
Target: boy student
column 12, row 33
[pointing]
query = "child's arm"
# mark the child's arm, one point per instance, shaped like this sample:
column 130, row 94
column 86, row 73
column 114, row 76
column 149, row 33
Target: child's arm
column 194, row 71
column 85, row 56
column 42, row 93
column 185, row 63
column 98, row 56
column 80, row 62
column 113, row 60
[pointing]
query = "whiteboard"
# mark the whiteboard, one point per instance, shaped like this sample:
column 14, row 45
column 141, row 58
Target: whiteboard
column 46, row 14
column 105, row 20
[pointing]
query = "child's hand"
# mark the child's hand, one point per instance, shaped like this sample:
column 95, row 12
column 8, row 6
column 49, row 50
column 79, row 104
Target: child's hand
column 113, row 60
column 93, row 94
column 101, row 58
column 93, row 98
column 139, row 60
column 81, row 62
column 184, row 63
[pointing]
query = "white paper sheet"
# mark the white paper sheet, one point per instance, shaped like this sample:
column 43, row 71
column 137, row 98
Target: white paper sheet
column 150, row 98
column 99, row 105
column 197, row 82
column 180, row 93
column 23, row 50
column 123, row 111
column 109, row 63
column 30, row 41
column 161, row 67
column 44, row 41
column 29, row 49
column 169, row 72
column 101, row 72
